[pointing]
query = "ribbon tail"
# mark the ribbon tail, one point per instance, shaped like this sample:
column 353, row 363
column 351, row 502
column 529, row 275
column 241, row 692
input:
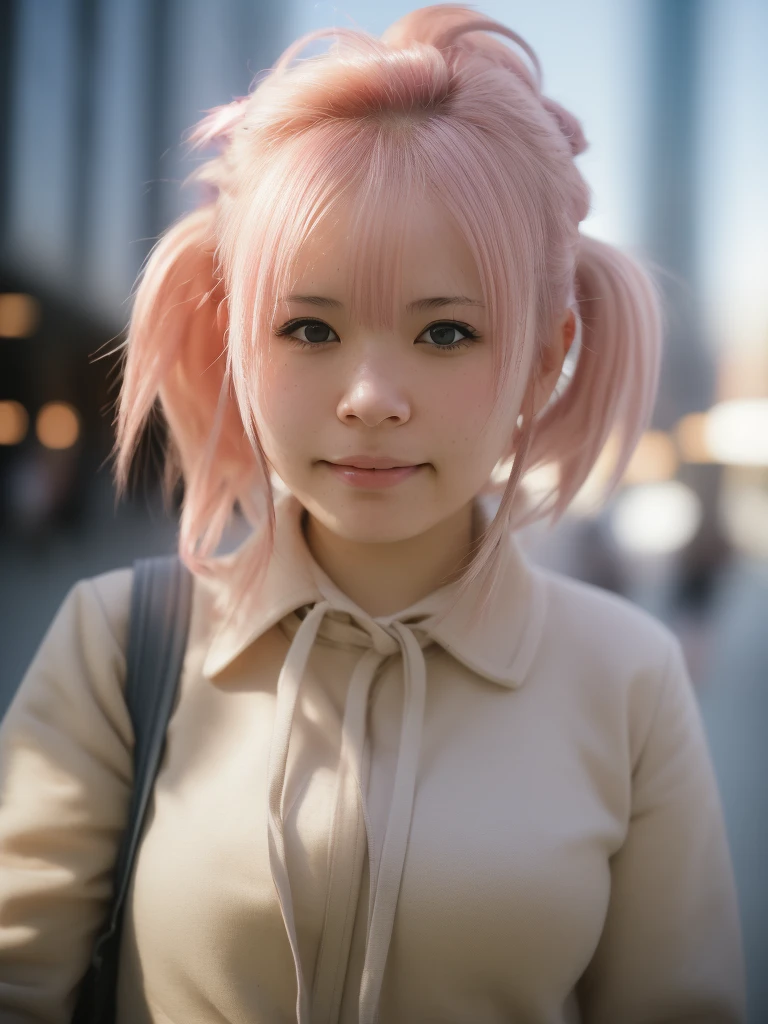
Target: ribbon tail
column 288, row 685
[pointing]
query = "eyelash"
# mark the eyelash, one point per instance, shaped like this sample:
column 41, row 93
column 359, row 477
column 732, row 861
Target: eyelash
column 292, row 325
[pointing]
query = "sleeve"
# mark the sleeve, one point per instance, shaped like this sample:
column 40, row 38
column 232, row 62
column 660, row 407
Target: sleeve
column 671, row 947
column 65, row 778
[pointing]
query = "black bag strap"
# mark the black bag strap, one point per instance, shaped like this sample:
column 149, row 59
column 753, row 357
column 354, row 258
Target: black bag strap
column 161, row 601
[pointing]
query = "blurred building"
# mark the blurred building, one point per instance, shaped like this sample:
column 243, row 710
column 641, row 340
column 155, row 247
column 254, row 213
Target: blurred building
column 95, row 100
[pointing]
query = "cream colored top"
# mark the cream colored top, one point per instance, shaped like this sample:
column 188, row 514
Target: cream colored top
column 362, row 819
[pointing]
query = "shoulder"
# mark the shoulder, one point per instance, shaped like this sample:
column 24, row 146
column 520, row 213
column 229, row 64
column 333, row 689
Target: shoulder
column 107, row 599
column 104, row 605
column 77, row 673
column 103, row 602
column 603, row 630
column 611, row 661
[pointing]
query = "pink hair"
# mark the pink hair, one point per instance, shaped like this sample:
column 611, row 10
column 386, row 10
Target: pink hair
column 436, row 108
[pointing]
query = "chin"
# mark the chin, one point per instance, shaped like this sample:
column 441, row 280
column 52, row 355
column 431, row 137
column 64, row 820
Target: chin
column 370, row 525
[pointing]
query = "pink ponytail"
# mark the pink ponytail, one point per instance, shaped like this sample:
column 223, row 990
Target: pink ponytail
column 616, row 376
column 176, row 352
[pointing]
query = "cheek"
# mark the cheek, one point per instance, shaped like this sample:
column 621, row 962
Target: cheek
column 471, row 440
column 289, row 404
column 459, row 404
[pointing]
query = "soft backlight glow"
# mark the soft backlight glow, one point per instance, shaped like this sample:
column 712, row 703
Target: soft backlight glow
column 14, row 422
column 542, row 480
column 501, row 472
column 656, row 519
column 537, row 481
column 58, row 425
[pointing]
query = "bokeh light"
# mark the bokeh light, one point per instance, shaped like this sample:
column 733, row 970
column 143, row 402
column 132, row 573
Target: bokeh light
column 19, row 315
column 654, row 459
column 656, row 519
column 14, row 423
column 737, row 432
column 58, row 425
column 691, row 436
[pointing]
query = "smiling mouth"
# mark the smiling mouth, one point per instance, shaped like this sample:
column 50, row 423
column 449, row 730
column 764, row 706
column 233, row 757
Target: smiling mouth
column 372, row 469
column 355, row 476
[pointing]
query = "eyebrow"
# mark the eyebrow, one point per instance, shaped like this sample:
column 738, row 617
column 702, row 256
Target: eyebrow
column 412, row 307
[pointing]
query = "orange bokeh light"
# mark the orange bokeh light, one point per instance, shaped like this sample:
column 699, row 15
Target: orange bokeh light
column 654, row 459
column 58, row 425
column 19, row 315
column 14, row 422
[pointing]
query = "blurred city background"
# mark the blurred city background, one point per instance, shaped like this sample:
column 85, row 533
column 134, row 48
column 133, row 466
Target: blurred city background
column 95, row 99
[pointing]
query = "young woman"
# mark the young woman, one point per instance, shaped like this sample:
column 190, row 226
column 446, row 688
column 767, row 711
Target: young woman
column 409, row 777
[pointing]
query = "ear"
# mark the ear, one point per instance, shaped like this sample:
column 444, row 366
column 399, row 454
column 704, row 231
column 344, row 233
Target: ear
column 550, row 364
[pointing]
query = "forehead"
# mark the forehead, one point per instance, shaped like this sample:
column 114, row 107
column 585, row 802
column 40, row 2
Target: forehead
column 375, row 259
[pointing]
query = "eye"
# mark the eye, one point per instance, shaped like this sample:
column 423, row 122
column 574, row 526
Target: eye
column 442, row 335
column 316, row 332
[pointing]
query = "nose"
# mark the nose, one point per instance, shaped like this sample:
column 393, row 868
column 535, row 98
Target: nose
column 373, row 395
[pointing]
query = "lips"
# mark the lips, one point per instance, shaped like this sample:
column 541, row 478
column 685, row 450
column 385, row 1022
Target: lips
column 373, row 462
column 372, row 479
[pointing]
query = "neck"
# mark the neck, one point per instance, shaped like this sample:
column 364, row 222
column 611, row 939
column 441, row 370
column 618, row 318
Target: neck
column 385, row 578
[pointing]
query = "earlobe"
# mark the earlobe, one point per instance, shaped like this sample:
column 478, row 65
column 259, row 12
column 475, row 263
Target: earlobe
column 552, row 360
column 540, row 391
column 554, row 356
column 569, row 330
